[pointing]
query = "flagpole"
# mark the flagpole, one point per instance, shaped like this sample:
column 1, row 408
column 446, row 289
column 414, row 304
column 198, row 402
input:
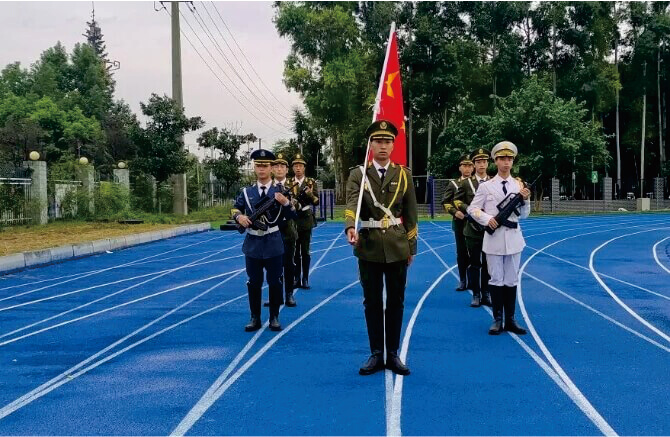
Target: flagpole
column 375, row 111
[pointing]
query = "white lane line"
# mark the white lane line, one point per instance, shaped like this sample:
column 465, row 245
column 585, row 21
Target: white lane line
column 223, row 381
column 658, row 261
column 69, row 374
column 30, row 334
column 217, row 260
column 245, row 350
column 394, row 412
column 581, row 400
column 602, row 274
column 614, row 296
column 538, row 360
column 96, row 272
column 74, row 372
column 206, row 402
column 604, row 316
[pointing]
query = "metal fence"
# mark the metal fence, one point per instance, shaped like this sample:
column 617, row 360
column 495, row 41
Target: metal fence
column 14, row 200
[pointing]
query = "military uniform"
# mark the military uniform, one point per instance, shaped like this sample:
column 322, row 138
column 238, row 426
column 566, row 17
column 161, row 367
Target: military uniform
column 458, row 226
column 503, row 248
column 387, row 239
column 304, row 224
column 289, row 235
column 478, row 275
column 263, row 250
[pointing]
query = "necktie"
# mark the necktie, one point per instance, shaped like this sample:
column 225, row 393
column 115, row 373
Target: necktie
column 504, row 187
column 262, row 190
column 383, row 172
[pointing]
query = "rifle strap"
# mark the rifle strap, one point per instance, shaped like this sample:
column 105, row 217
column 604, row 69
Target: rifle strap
column 246, row 198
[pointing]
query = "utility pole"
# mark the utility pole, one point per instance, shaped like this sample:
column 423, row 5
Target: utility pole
column 644, row 114
column 179, row 200
column 260, row 143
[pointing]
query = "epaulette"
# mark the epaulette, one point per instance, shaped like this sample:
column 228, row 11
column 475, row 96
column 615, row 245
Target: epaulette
column 406, row 168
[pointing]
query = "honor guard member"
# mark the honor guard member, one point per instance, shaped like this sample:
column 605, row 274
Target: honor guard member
column 478, row 275
column 503, row 248
column 287, row 228
column 263, row 250
column 385, row 245
column 308, row 196
column 458, row 219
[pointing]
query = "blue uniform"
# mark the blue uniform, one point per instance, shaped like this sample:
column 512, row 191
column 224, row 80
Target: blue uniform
column 263, row 249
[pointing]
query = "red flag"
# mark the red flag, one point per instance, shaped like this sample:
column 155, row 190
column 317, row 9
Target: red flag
column 389, row 104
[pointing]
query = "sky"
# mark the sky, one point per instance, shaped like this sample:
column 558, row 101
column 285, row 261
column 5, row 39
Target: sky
column 138, row 37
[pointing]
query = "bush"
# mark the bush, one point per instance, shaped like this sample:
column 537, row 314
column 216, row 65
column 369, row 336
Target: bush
column 111, row 200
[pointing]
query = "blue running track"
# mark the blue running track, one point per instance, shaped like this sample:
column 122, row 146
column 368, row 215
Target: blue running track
column 150, row 341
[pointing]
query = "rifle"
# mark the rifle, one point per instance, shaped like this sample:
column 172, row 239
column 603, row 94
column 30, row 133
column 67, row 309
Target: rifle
column 508, row 206
column 259, row 218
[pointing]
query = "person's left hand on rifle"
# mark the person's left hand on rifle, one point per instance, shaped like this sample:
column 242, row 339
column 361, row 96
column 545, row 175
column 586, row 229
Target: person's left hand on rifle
column 279, row 197
column 525, row 192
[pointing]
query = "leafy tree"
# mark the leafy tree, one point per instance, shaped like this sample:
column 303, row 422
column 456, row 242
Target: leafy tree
column 160, row 144
column 227, row 166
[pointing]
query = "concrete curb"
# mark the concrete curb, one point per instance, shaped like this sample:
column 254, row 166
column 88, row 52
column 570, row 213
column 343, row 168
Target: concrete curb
column 40, row 258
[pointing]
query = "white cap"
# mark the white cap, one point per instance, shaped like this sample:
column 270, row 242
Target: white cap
column 504, row 148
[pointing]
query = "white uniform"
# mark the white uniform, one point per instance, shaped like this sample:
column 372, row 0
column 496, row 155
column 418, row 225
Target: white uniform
column 503, row 248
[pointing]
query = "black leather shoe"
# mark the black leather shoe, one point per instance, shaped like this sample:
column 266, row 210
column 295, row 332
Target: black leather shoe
column 274, row 324
column 305, row 284
column 373, row 365
column 254, row 324
column 475, row 301
column 513, row 326
column 461, row 286
column 496, row 328
column 395, row 365
column 290, row 300
column 486, row 300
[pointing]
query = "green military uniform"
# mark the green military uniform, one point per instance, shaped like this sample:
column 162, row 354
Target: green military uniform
column 478, row 276
column 458, row 226
column 387, row 238
column 289, row 234
column 304, row 224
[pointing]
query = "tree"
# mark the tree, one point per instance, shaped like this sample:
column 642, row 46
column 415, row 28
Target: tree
column 94, row 38
column 226, row 167
column 160, row 144
column 330, row 67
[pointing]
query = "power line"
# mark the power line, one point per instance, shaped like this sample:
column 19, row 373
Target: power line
column 232, row 52
column 245, row 57
column 226, row 86
column 266, row 113
column 211, row 37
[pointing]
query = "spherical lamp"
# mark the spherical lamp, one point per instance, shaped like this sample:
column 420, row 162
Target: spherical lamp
column 121, row 164
column 34, row 156
column 83, row 160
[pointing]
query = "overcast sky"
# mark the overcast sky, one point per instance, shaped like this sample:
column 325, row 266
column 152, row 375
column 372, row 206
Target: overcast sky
column 139, row 38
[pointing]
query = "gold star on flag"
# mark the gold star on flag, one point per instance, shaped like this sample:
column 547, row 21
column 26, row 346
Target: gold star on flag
column 389, row 81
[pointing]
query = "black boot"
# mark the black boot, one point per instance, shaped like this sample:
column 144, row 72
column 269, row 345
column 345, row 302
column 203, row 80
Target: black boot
column 274, row 324
column 486, row 299
column 395, row 364
column 497, row 300
column 510, row 306
column 290, row 300
column 475, row 303
column 306, row 261
column 374, row 364
column 254, row 324
column 462, row 286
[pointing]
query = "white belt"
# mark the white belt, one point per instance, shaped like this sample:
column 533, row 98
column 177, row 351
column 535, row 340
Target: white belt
column 306, row 208
column 259, row 233
column 384, row 223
